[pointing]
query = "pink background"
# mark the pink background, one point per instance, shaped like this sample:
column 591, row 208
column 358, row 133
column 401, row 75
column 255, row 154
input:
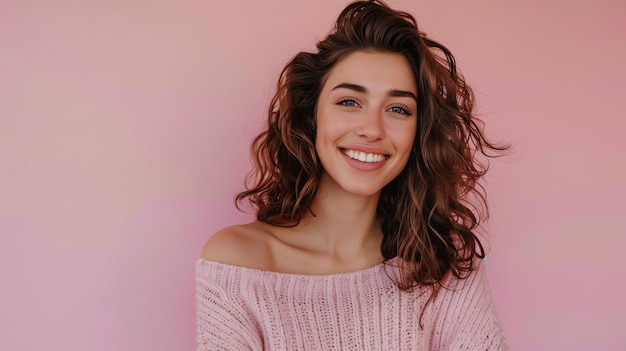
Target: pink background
column 124, row 133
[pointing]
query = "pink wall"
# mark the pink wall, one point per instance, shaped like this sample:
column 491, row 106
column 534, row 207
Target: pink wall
column 124, row 130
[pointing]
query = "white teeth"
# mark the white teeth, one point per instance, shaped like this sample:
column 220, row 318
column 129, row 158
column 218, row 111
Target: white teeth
column 363, row 157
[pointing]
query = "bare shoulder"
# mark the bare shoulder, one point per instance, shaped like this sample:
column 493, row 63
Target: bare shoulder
column 246, row 245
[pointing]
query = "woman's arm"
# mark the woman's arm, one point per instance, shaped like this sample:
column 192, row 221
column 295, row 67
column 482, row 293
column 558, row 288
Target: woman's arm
column 466, row 317
column 221, row 323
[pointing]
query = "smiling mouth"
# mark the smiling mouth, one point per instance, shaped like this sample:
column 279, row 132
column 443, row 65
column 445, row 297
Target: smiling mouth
column 363, row 156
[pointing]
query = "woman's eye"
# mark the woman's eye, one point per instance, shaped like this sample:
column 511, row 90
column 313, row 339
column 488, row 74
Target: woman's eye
column 400, row 109
column 347, row 103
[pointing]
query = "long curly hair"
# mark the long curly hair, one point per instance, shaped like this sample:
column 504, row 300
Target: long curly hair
column 431, row 211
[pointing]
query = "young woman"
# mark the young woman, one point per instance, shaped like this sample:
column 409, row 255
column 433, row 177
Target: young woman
column 365, row 234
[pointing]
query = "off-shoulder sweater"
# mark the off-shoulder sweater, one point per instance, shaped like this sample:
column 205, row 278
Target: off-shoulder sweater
column 248, row 309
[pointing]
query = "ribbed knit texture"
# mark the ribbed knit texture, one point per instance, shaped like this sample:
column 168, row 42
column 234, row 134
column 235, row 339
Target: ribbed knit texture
column 247, row 309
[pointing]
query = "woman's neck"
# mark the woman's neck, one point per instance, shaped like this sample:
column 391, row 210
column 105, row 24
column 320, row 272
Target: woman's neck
column 341, row 224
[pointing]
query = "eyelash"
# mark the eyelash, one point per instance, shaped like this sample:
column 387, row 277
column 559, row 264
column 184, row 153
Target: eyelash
column 344, row 101
column 404, row 110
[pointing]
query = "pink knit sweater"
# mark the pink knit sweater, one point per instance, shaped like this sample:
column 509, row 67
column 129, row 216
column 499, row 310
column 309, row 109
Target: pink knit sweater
column 247, row 309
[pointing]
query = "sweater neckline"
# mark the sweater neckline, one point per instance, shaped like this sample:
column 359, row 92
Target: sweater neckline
column 392, row 262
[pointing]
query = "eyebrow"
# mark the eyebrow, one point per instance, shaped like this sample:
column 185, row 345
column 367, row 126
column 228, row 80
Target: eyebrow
column 362, row 89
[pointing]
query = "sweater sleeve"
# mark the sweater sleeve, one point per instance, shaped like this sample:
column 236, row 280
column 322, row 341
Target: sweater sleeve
column 222, row 324
column 469, row 320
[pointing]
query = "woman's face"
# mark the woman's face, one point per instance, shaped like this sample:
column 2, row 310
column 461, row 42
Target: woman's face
column 366, row 121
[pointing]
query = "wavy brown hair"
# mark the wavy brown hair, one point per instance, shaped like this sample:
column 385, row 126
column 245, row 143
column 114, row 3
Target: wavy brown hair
column 431, row 211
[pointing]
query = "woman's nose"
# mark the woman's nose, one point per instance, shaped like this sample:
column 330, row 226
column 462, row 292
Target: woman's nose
column 370, row 127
